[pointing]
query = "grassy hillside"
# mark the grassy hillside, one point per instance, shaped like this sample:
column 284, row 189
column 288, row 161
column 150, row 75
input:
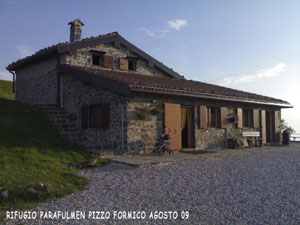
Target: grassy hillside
column 32, row 152
column 6, row 90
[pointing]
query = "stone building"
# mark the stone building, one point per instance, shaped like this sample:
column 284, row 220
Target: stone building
column 106, row 93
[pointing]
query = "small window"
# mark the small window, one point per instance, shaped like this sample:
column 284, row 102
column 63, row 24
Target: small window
column 95, row 117
column 96, row 60
column 248, row 118
column 132, row 65
column 97, row 57
column 213, row 117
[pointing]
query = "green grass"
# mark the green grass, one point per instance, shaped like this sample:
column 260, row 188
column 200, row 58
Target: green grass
column 6, row 88
column 32, row 152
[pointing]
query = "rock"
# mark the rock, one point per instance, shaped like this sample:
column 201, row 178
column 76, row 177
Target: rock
column 31, row 190
column 93, row 162
column 17, row 190
column 5, row 194
column 66, row 164
column 42, row 188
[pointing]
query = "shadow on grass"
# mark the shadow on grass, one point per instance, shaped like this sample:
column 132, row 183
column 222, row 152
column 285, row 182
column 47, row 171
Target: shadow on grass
column 32, row 152
column 22, row 125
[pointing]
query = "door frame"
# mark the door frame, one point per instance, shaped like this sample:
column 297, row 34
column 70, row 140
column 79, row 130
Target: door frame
column 192, row 108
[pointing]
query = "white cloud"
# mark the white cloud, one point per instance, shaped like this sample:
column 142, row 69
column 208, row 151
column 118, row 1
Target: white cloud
column 155, row 33
column 159, row 33
column 24, row 50
column 245, row 78
column 5, row 75
column 177, row 24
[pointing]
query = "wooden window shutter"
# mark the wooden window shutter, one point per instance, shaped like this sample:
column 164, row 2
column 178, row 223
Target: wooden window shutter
column 240, row 118
column 123, row 64
column 85, row 117
column 263, row 126
column 172, row 123
column 223, row 117
column 277, row 126
column 105, row 116
column 202, row 117
column 255, row 118
column 108, row 61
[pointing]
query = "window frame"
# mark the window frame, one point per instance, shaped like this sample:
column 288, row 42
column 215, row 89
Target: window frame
column 213, row 117
column 91, row 109
column 87, row 121
column 94, row 61
column 99, row 55
column 132, row 63
column 247, row 116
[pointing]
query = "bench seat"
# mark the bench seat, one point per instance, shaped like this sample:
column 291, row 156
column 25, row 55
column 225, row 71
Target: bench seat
column 253, row 134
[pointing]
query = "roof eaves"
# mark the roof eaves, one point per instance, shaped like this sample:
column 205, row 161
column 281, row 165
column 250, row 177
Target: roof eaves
column 99, row 81
column 165, row 91
column 44, row 53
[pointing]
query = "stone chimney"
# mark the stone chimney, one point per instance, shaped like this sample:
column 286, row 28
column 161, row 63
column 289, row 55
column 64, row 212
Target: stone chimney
column 75, row 30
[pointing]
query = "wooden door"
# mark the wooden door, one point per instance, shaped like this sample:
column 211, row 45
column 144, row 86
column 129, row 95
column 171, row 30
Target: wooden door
column 268, row 127
column 189, row 123
column 172, row 123
column 263, row 125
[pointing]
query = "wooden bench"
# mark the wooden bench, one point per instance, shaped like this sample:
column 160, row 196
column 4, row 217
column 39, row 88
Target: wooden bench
column 249, row 135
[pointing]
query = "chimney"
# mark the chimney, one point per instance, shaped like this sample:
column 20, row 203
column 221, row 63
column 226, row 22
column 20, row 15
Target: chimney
column 75, row 30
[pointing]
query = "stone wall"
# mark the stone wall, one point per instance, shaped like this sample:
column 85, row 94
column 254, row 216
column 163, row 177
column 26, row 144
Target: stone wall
column 77, row 93
column 37, row 83
column 142, row 134
column 83, row 57
column 211, row 138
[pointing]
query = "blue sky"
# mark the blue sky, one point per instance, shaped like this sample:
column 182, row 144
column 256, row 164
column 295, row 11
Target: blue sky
column 248, row 45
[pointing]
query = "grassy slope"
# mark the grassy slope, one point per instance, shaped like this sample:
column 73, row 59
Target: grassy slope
column 31, row 152
column 6, row 90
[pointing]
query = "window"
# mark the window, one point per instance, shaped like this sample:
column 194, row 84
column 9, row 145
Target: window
column 248, row 118
column 132, row 65
column 95, row 116
column 96, row 60
column 213, row 117
column 97, row 57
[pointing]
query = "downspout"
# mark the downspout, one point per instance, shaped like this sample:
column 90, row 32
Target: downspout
column 59, row 96
column 226, row 137
column 61, row 91
column 14, row 81
column 122, row 127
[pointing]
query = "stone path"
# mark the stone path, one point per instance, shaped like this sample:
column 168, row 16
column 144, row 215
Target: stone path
column 139, row 160
column 252, row 186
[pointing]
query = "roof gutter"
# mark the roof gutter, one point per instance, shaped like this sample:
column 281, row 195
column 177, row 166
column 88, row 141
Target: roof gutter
column 212, row 97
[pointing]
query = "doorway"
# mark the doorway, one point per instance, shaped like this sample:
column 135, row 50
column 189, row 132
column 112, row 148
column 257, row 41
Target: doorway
column 270, row 127
column 187, row 129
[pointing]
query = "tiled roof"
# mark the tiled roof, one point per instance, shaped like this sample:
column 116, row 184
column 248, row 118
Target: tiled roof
column 71, row 47
column 58, row 48
column 172, row 86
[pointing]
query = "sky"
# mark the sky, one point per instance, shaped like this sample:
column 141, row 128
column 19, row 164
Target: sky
column 249, row 45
